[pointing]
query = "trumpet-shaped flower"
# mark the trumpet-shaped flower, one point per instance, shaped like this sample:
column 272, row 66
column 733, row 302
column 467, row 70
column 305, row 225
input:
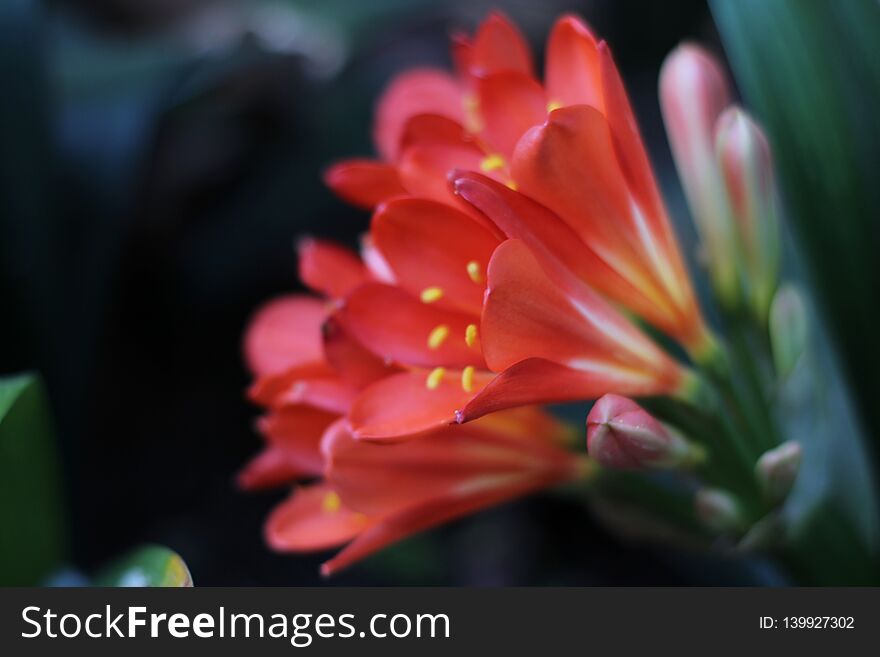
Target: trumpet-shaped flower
column 375, row 495
column 571, row 144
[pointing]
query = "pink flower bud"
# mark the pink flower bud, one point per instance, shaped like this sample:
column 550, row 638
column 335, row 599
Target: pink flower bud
column 693, row 92
column 747, row 170
column 624, row 436
column 777, row 470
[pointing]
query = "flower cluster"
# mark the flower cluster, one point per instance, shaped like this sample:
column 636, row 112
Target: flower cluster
column 519, row 253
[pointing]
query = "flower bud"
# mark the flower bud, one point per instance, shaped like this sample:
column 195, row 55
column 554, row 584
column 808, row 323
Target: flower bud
column 747, row 170
column 788, row 329
column 693, row 92
column 719, row 511
column 624, row 436
column 777, row 470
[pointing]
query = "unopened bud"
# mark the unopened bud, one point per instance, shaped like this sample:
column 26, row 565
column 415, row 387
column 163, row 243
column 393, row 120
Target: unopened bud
column 747, row 170
column 624, row 436
column 788, row 329
column 694, row 90
column 777, row 471
column 719, row 511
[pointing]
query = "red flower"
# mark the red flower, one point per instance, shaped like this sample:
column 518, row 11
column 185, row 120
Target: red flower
column 511, row 223
column 310, row 370
column 375, row 495
column 572, row 145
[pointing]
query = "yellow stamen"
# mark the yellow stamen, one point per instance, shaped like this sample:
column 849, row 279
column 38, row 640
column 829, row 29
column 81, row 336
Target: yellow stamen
column 553, row 105
column 435, row 378
column 470, row 335
column 473, row 270
column 331, row 503
column 467, row 378
column 512, row 185
column 492, row 163
column 431, row 294
column 437, row 336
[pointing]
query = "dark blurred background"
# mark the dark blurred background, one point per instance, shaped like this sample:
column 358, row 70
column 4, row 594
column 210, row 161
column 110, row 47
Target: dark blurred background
column 158, row 160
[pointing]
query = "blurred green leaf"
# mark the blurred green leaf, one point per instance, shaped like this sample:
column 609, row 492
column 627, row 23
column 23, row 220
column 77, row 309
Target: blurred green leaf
column 31, row 517
column 147, row 566
column 809, row 69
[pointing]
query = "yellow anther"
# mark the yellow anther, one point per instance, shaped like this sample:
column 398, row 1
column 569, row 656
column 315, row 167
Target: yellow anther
column 474, row 271
column 470, row 335
column 512, row 185
column 553, row 105
column 467, row 378
column 492, row 163
column 431, row 294
column 437, row 336
column 435, row 378
column 331, row 503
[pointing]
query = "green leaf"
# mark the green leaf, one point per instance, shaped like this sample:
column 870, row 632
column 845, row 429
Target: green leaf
column 809, row 70
column 32, row 537
column 147, row 566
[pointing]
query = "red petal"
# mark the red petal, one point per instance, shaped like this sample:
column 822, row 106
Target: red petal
column 526, row 315
column 510, row 103
column 395, row 325
column 265, row 389
column 329, row 394
column 418, row 91
column 395, row 528
column 499, row 46
column 382, row 479
column 268, row 469
column 434, row 130
column 539, row 381
column 306, row 523
column 402, row 405
column 297, row 431
column 351, row 361
column 429, row 244
column 285, row 333
column 629, row 146
column 570, row 166
column 329, row 268
column 573, row 75
column 364, row 183
column 550, row 239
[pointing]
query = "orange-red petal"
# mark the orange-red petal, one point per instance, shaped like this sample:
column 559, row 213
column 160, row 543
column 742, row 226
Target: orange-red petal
column 428, row 244
column 329, row 268
column 418, row 91
column 395, row 325
column 284, row 333
column 419, row 518
column 306, row 522
column 350, row 360
column 268, row 469
column 402, row 405
column 526, row 315
column 540, row 381
column 573, row 74
column 297, row 431
column 511, row 102
column 499, row 46
column 364, row 183
column 552, row 241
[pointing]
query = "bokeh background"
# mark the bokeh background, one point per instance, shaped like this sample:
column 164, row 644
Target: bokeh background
column 158, row 159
